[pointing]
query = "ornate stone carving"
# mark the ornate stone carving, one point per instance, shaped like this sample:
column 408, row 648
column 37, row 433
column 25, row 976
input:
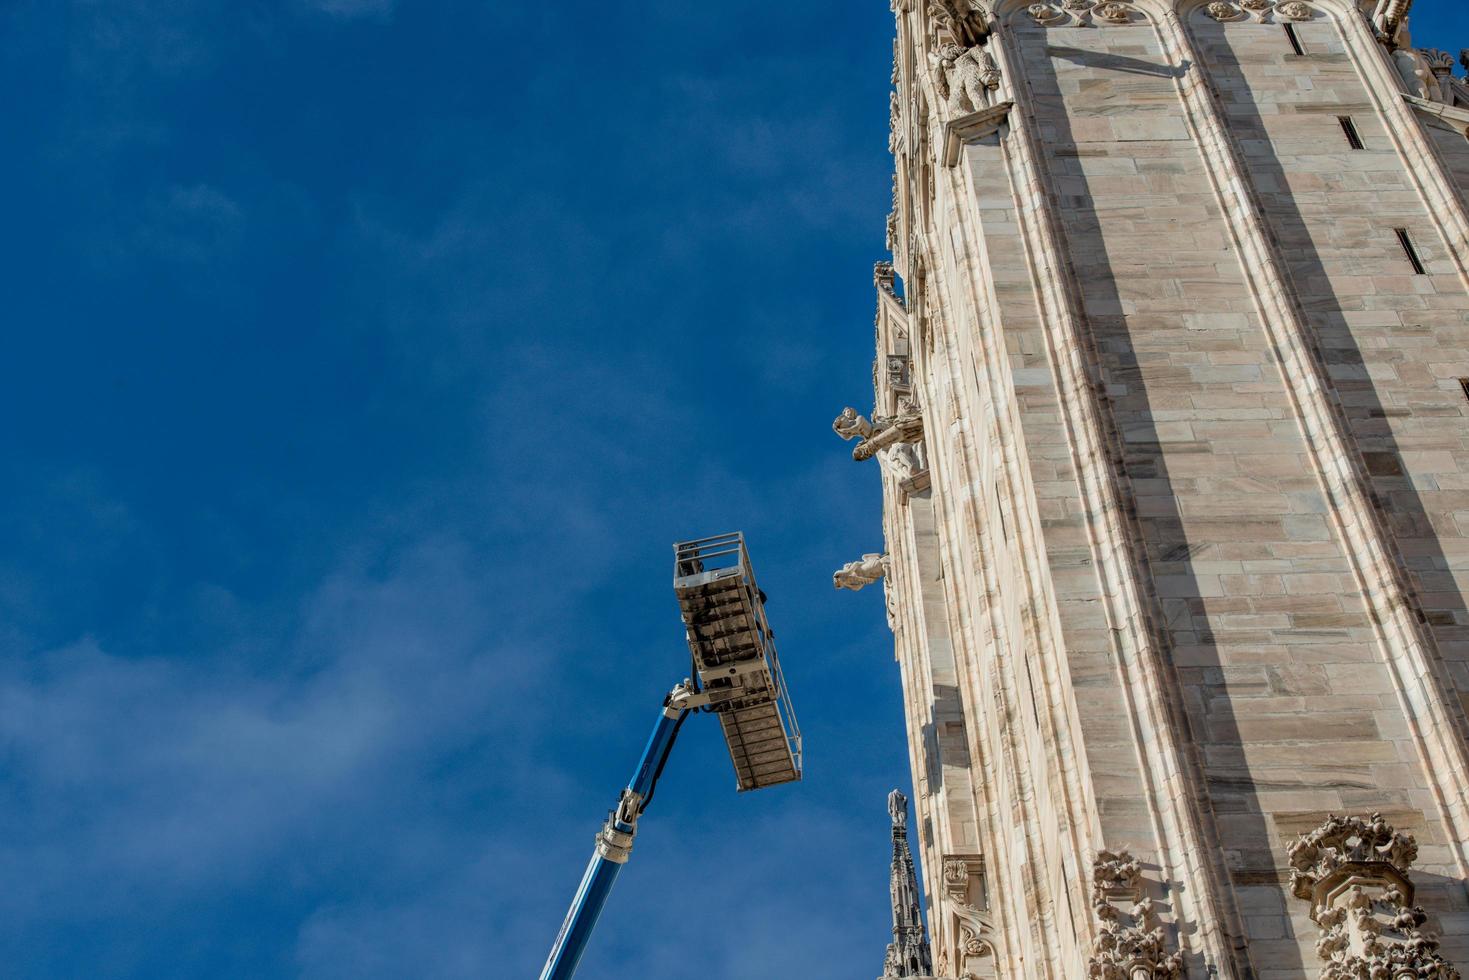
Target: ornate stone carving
column 902, row 461
column 897, row 372
column 885, row 279
column 1389, row 18
column 972, row 930
column 1294, row 10
column 1222, row 11
column 1354, row 872
column 966, row 20
column 1428, row 73
column 909, row 954
column 895, row 123
column 1131, row 946
column 1464, row 58
column 881, row 432
column 858, row 575
column 890, row 603
column 1441, row 63
column 1115, row 13
column 1257, row 6
column 892, row 240
column 964, row 78
column 852, row 425
column 1045, row 14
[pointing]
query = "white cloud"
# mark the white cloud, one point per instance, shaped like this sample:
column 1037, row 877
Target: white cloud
column 169, row 775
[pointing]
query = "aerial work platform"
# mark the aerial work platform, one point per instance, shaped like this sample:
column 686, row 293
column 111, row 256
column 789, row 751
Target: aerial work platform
column 737, row 677
column 735, row 659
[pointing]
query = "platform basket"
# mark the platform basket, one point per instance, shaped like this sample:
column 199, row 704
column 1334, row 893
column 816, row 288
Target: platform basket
column 734, row 651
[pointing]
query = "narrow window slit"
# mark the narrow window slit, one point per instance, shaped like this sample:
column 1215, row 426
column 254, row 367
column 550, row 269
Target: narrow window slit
column 1354, row 138
column 1294, row 39
column 1410, row 251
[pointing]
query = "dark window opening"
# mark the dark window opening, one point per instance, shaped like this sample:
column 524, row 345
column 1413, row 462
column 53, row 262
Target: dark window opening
column 1354, row 138
column 1464, row 383
column 1410, row 251
column 1294, row 39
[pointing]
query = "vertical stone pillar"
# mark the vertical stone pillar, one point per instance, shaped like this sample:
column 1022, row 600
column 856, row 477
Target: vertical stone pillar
column 1354, row 872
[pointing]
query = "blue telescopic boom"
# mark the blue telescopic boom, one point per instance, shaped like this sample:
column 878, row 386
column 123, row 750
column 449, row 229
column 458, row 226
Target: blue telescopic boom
column 737, row 678
column 614, row 843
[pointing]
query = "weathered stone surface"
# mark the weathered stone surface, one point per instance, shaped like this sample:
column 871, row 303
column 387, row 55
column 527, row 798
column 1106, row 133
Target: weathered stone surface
column 1176, row 467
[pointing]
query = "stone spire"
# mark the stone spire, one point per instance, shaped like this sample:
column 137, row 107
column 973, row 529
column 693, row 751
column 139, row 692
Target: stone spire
column 908, row 954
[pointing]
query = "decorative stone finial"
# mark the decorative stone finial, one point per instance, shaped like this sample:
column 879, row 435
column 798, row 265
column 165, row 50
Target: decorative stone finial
column 885, row 279
column 908, row 954
column 1441, row 63
column 1131, row 946
column 1354, row 872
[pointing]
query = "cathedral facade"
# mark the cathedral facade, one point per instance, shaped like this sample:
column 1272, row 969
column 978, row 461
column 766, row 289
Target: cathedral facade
column 1172, row 419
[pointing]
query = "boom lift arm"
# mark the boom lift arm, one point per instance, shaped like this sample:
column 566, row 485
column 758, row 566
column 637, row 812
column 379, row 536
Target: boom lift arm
column 737, row 677
column 614, row 843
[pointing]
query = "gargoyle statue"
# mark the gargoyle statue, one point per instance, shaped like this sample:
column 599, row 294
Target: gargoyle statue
column 858, row 575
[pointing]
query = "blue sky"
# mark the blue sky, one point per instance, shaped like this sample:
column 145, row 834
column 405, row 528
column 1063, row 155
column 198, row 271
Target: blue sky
column 364, row 360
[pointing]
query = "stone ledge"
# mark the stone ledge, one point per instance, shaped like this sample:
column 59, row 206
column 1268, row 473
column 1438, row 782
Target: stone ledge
column 1437, row 110
column 973, row 128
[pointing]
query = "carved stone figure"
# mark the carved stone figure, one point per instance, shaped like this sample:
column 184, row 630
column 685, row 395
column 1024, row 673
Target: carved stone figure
column 1295, row 10
column 1354, row 872
column 1116, row 13
column 892, row 236
column 1220, row 10
column 880, row 433
column 901, row 461
column 1426, row 73
column 966, row 20
column 965, row 77
column 1130, row 946
column 851, row 425
column 1257, row 6
column 858, row 575
column 1044, row 13
column 895, row 122
column 1389, row 18
column 897, row 372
